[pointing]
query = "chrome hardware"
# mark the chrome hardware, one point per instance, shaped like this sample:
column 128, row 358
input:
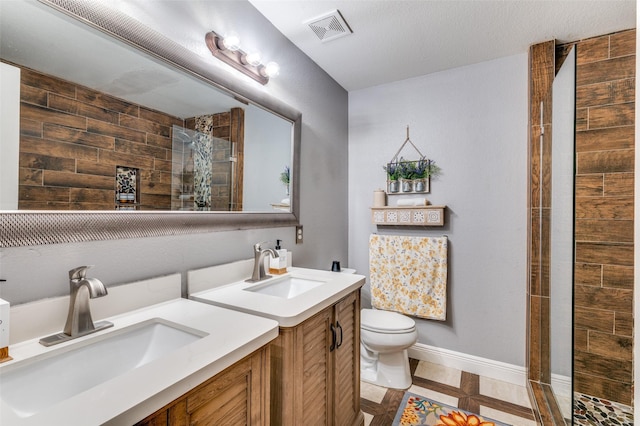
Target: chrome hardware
column 79, row 322
column 259, row 254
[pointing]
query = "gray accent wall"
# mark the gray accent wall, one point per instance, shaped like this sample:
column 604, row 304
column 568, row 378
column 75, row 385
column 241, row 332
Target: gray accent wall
column 473, row 122
column 38, row 272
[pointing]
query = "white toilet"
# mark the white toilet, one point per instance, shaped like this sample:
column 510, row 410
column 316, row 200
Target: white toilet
column 384, row 339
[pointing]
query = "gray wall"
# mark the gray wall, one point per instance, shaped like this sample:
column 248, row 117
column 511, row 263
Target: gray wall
column 267, row 150
column 37, row 272
column 473, row 122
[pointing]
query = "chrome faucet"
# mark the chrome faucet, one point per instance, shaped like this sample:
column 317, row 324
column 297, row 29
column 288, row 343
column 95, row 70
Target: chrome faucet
column 258, row 265
column 79, row 322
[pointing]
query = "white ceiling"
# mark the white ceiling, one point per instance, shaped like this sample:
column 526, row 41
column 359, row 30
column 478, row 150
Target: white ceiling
column 397, row 39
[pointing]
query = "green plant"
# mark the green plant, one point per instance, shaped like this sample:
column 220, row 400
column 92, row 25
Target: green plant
column 285, row 177
column 422, row 165
column 426, row 168
column 392, row 171
column 407, row 169
column 402, row 169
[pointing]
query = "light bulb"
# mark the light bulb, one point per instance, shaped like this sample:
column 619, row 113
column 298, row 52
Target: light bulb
column 272, row 69
column 232, row 43
column 253, row 58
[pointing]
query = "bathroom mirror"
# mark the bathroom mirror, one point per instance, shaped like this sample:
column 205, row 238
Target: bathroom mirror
column 175, row 81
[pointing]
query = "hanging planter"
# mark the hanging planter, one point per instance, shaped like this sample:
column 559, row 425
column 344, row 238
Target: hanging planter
column 406, row 176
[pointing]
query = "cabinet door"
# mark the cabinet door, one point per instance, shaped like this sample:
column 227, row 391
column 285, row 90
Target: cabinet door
column 233, row 397
column 239, row 395
column 315, row 382
column 314, row 366
column 346, row 380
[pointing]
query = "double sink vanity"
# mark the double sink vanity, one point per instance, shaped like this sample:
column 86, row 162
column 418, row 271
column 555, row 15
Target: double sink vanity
column 281, row 351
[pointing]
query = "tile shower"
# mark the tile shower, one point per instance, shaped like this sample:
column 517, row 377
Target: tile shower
column 203, row 168
column 603, row 277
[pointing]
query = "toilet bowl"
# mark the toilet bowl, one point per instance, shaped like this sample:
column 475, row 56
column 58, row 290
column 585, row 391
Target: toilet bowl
column 384, row 339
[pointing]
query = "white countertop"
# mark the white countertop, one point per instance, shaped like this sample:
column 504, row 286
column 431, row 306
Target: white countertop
column 130, row 397
column 288, row 312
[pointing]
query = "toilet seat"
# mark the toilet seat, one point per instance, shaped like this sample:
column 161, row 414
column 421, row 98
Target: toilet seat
column 385, row 322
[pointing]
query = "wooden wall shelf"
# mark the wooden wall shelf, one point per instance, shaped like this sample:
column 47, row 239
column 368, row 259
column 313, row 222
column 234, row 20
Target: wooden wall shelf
column 408, row 216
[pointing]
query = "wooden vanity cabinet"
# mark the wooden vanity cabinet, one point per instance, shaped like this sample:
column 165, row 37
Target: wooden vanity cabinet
column 315, row 368
column 239, row 395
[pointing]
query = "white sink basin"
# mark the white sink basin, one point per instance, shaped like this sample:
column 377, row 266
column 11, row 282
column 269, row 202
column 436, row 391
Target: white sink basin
column 33, row 385
column 286, row 287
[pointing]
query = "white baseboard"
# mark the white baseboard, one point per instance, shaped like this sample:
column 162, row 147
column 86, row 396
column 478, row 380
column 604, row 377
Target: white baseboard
column 561, row 385
column 473, row 364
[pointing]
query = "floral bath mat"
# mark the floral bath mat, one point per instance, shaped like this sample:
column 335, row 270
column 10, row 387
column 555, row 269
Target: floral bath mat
column 418, row 410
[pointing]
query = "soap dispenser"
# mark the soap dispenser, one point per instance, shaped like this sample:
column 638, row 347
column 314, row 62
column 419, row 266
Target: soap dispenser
column 278, row 265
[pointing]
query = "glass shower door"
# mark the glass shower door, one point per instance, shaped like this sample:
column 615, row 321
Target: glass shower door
column 562, row 233
column 202, row 172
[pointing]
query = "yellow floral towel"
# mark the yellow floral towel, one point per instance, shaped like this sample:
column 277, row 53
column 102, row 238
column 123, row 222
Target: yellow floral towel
column 409, row 275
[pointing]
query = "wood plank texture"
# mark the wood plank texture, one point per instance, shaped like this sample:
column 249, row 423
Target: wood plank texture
column 612, row 208
column 604, row 298
column 591, row 185
column 618, row 184
column 586, row 274
column 72, row 139
column 603, row 387
column 594, row 319
column 605, row 216
column 611, row 115
column 604, row 230
column 541, row 75
column 604, row 253
column 605, row 161
column 623, row 43
column 617, row 277
column 605, row 139
column 613, row 69
column 236, row 396
column 609, row 92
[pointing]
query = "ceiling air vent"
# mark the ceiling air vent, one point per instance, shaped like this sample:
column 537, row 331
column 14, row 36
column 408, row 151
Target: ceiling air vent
column 329, row 26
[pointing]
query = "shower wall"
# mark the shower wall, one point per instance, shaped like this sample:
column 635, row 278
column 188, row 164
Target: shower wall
column 605, row 122
column 603, row 281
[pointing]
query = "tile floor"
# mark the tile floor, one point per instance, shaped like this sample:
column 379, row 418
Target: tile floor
column 498, row 400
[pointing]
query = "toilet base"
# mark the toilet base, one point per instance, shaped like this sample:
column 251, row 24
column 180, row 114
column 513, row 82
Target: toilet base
column 390, row 370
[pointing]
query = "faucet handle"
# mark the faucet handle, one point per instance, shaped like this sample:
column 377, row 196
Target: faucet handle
column 258, row 246
column 79, row 273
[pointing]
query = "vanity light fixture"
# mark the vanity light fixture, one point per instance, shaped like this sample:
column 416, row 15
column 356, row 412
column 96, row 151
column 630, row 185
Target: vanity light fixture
column 253, row 58
column 231, row 42
column 272, row 69
column 228, row 51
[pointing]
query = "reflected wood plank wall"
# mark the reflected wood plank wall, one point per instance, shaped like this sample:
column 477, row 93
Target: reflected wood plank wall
column 72, row 138
column 605, row 122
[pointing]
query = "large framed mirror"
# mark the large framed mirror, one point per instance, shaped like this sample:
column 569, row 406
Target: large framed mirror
column 149, row 139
